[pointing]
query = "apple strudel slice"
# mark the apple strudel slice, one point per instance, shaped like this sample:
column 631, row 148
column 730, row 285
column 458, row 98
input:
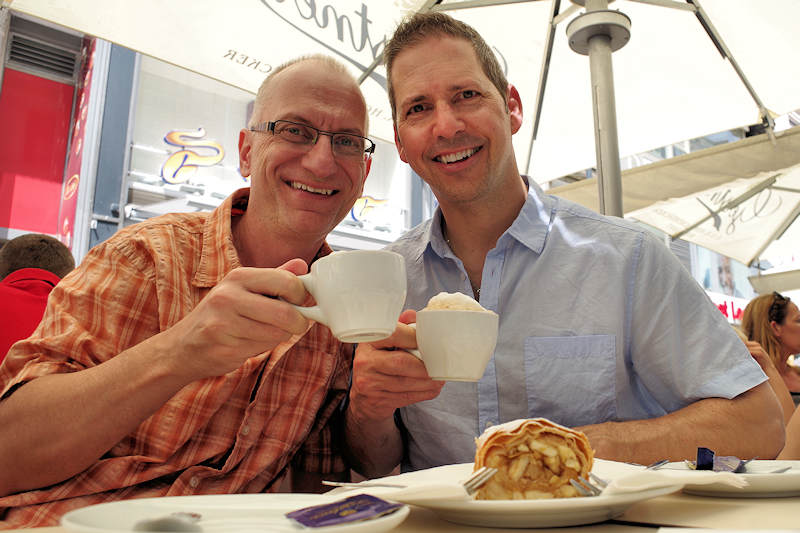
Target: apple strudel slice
column 535, row 458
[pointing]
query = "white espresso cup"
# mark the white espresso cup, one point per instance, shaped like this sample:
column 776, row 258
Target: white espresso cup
column 456, row 345
column 359, row 293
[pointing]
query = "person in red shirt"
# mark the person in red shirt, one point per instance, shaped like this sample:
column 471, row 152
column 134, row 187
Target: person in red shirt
column 30, row 266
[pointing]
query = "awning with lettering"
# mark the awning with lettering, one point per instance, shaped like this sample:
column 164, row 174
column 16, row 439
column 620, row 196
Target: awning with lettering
column 736, row 198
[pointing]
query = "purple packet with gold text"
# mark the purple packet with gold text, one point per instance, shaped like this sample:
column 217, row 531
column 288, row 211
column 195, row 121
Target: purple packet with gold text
column 352, row 509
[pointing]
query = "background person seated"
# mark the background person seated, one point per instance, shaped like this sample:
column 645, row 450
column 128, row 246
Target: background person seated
column 30, row 266
column 773, row 321
column 775, row 379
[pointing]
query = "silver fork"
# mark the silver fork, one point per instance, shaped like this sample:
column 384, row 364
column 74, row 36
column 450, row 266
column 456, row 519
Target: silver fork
column 471, row 484
column 589, row 488
column 478, row 479
column 657, row 464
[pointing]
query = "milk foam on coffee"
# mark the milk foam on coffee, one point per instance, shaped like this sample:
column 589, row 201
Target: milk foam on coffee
column 454, row 301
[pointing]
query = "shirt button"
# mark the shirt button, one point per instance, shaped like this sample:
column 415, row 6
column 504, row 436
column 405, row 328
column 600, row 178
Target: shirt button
column 194, row 482
column 245, row 430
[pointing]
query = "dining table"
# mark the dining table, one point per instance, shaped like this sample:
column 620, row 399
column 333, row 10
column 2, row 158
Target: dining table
column 675, row 510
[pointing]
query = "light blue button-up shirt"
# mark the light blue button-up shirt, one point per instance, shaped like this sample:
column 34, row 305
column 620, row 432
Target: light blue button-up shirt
column 598, row 321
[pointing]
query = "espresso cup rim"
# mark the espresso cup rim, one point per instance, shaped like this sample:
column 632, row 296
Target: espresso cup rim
column 472, row 311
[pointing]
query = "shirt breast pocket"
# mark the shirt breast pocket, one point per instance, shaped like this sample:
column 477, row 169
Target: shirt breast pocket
column 571, row 380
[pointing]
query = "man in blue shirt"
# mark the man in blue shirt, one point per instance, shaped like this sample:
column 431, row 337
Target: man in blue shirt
column 601, row 328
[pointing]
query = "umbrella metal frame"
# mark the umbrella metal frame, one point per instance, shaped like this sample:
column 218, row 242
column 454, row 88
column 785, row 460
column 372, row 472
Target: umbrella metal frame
column 598, row 32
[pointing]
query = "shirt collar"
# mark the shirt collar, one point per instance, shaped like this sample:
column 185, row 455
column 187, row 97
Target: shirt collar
column 219, row 255
column 534, row 220
column 530, row 227
column 31, row 274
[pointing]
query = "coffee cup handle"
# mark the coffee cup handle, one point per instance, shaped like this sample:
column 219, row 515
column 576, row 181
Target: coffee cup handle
column 314, row 312
column 413, row 351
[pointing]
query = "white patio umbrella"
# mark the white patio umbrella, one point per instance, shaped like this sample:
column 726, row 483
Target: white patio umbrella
column 739, row 219
column 650, row 194
column 671, row 81
column 693, row 172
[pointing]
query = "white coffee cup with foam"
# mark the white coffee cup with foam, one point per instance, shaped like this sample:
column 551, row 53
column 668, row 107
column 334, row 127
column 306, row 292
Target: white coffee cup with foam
column 455, row 343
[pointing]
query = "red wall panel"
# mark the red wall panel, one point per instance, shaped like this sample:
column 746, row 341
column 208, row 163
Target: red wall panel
column 34, row 130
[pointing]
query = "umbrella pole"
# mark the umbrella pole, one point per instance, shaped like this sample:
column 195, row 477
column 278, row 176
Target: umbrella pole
column 605, row 126
column 598, row 33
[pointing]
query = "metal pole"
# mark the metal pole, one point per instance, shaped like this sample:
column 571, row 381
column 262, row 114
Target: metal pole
column 598, row 32
column 605, row 126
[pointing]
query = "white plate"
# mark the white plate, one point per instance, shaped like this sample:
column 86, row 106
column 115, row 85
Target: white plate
column 240, row 513
column 761, row 484
column 540, row 513
column 524, row 513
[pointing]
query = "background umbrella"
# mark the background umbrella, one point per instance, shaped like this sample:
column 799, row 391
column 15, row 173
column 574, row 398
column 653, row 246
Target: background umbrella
column 649, row 189
column 694, row 172
column 671, row 82
column 738, row 220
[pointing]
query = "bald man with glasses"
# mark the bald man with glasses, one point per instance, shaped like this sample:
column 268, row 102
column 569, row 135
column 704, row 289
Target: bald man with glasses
column 166, row 363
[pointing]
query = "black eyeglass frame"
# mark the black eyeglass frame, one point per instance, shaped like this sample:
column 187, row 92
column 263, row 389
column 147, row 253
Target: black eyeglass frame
column 779, row 301
column 264, row 127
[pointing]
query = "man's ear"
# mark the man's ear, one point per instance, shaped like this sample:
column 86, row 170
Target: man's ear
column 245, row 150
column 514, row 108
column 369, row 166
column 399, row 145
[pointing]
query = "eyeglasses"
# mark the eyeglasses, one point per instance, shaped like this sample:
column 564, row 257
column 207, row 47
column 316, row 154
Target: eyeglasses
column 342, row 144
column 776, row 309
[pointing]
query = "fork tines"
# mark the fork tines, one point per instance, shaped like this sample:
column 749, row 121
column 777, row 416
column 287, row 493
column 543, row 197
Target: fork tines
column 657, row 464
column 586, row 487
column 478, row 478
column 600, row 482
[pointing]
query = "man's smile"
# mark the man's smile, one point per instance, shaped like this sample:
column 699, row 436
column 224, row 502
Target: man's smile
column 314, row 190
column 457, row 156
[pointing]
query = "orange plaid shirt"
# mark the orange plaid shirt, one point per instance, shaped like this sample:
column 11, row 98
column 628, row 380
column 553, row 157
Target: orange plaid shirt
column 236, row 433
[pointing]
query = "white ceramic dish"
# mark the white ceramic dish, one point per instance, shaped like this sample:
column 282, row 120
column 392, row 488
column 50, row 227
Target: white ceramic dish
column 240, row 513
column 539, row 513
column 761, row 483
column 521, row 513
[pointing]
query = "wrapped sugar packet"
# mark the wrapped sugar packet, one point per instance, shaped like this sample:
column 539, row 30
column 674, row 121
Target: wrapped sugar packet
column 707, row 460
column 352, row 509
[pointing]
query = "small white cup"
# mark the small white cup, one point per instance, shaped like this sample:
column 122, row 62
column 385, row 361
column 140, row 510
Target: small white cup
column 359, row 293
column 456, row 345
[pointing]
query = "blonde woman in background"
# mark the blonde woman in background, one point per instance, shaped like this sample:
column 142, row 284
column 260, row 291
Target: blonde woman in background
column 775, row 379
column 773, row 321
